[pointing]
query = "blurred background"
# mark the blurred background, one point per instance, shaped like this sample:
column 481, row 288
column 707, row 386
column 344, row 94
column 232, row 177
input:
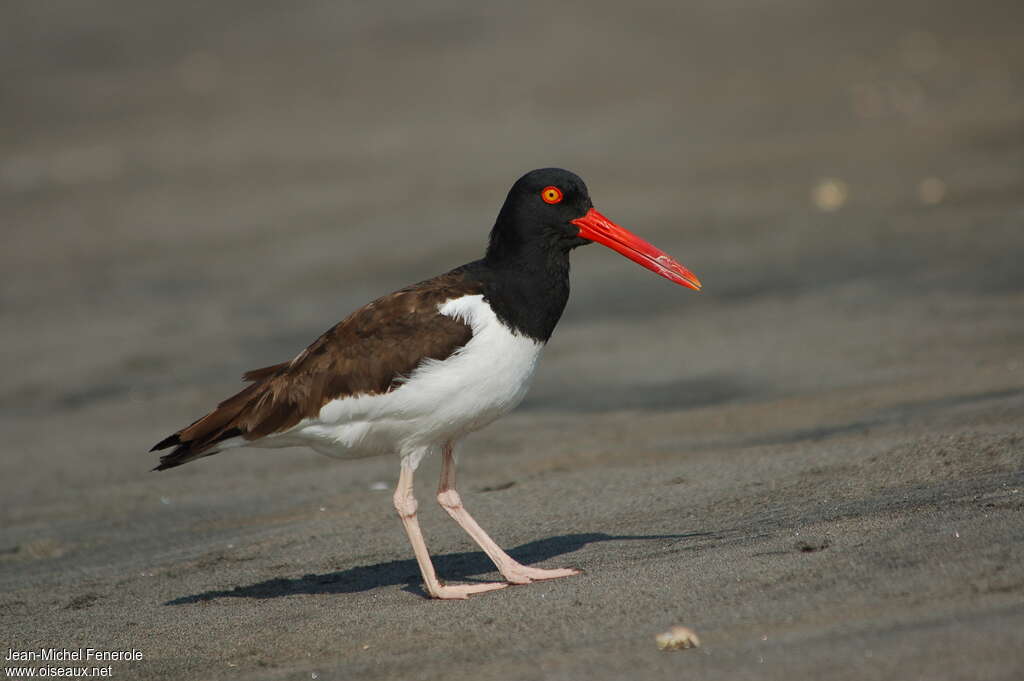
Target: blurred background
column 192, row 189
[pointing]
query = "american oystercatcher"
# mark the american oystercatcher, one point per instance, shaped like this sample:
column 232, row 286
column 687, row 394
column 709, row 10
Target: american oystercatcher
column 414, row 371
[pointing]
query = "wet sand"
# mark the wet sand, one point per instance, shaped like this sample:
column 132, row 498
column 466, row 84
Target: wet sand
column 817, row 463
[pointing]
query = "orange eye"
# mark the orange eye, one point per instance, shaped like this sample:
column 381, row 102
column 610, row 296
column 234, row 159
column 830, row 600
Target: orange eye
column 551, row 195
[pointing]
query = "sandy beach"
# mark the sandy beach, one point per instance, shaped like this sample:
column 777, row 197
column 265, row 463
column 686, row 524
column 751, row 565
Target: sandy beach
column 816, row 463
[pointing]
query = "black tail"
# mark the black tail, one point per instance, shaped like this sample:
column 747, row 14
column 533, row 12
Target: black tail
column 168, row 441
column 228, row 420
column 188, row 451
column 182, row 454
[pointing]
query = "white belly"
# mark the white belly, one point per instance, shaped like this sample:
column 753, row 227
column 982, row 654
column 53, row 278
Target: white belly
column 439, row 402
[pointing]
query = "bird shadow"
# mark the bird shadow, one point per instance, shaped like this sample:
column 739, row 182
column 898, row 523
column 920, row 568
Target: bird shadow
column 458, row 566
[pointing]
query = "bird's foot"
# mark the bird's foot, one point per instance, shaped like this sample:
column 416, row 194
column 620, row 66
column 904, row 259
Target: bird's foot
column 463, row 591
column 521, row 574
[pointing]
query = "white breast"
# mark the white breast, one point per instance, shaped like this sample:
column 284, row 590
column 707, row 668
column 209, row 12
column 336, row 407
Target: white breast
column 440, row 401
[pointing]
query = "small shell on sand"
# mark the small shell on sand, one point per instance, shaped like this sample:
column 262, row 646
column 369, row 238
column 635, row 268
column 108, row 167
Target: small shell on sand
column 677, row 638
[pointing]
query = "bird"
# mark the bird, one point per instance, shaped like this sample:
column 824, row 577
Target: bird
column 415, row 371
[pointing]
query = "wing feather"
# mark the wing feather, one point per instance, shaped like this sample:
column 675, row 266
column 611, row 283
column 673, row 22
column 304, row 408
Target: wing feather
column 368, row 353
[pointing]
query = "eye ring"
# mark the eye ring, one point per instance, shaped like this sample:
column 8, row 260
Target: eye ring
column 551, row 194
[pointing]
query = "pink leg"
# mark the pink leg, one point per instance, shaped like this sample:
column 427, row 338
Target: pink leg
column 405, row 504
column 514, row 572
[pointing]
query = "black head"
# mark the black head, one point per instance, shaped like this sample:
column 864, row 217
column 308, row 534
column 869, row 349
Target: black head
column 525, row 274
column 537, row 214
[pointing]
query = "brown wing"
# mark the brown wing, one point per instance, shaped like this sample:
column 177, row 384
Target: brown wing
column 366, row 354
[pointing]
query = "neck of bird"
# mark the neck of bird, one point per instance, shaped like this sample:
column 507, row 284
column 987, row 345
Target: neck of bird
column 527, row 283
